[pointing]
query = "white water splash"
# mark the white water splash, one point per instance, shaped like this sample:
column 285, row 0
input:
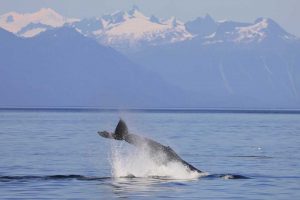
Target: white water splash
column 139, row 162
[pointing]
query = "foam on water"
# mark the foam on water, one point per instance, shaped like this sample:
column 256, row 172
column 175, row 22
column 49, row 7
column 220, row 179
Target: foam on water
column 140, row 162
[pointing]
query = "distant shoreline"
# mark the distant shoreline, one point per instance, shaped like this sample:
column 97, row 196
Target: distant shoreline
column 153, row 110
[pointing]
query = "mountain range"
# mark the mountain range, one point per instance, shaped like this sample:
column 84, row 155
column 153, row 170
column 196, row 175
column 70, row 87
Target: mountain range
column 127, row 59
column 120, row 29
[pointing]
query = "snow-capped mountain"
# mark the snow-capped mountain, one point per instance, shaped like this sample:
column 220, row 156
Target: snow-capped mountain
column 133, row 29
column 119, row 30
column 31, row 24
column 262, row 30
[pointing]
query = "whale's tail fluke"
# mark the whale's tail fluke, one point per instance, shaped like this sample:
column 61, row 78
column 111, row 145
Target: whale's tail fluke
column 121, row 130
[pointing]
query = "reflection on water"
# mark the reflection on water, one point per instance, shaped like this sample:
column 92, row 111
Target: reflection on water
column 123, row 187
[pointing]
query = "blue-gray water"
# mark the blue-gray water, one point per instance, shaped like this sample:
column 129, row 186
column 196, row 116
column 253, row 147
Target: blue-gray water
column 37, row 146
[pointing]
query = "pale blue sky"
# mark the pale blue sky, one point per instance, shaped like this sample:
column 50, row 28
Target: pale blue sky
column 285, row 12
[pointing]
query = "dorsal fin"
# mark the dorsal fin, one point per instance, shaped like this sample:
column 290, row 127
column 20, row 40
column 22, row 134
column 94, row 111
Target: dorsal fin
column 121, row 130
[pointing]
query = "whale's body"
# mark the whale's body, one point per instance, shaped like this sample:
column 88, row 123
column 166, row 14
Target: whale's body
column 159, row 153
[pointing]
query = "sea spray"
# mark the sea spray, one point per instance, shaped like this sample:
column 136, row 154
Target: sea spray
column 141, row 162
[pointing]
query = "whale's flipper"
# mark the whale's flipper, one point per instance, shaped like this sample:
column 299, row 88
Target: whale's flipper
column 120, row 132
column 155, row 148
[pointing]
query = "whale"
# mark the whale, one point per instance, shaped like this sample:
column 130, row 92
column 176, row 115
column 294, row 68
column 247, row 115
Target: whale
column 161, row 154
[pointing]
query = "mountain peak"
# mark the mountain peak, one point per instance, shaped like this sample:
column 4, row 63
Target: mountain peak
column 271, row 25
column 202, row 26
column 265, row 23
column 136, row 13
column 154, row 19
column 269, row 29
column 173, row 22
column 121, row 16
column 207, row 17
column 264, row 20
column 134, row 9
column 262, row 30
column 14, row 21
column 47, row 11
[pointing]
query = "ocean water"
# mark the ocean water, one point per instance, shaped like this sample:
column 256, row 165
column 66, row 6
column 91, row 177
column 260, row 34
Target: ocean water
column 48, row 154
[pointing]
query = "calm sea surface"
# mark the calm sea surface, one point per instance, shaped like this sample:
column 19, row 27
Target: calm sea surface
column 58, row 154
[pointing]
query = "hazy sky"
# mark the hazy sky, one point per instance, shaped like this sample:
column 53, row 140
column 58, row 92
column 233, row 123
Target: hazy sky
column 285, row 12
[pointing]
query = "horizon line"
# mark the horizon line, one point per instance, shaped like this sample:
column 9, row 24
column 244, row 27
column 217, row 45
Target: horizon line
column 160, row 110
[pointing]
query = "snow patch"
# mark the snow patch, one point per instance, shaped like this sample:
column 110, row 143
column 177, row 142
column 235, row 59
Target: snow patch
column 224, row 78
column 133, row 28
column 33, row 32
column 251, row 33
